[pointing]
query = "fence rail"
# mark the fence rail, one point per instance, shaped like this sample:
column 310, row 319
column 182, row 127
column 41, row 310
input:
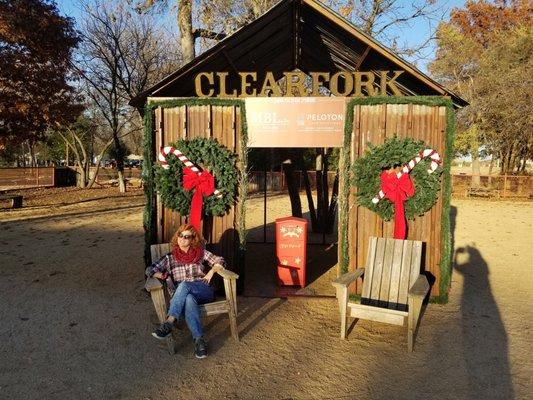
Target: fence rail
column 108, row 174
column 276, row 182
column 506, row 186
column 503, row 186
column 15, row 178
column 28, row 177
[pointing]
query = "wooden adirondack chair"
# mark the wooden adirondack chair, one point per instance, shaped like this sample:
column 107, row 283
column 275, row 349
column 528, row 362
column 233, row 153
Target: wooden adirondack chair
column 160, row 297
column 393, row 288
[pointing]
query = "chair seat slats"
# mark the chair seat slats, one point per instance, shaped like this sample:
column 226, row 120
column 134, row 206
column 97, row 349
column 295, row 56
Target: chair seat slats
column 390, row 294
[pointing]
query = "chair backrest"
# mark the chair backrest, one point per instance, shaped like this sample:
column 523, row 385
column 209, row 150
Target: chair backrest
column 159, row 250
column 392, row 267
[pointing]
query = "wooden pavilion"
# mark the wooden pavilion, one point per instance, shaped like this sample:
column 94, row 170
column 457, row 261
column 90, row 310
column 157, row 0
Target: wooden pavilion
column 306, row 36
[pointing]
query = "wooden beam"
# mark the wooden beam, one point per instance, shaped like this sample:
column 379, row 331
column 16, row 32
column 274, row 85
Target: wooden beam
column 323, row 10
column 363, row 57
column 295, row 34
column 230, row 62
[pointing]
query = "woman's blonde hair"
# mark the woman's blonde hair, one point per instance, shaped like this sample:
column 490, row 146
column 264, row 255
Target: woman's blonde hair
column 196, row 241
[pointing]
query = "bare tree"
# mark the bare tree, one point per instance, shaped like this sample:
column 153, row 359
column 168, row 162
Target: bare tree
column 122, row 53
column 388, row 20
column 80, row 137
column 214, row 19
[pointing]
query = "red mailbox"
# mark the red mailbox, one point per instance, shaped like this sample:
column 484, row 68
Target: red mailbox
column 291, row 250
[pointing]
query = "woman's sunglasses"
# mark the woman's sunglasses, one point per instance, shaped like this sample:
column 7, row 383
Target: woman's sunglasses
column 182, row 236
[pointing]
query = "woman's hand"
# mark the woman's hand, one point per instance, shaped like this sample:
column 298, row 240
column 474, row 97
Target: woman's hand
column 158, row 275
column 209, row 275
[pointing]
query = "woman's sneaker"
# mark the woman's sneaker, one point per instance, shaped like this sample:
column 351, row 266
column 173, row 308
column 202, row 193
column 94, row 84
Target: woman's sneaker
column 200, row 348
column 164, row 330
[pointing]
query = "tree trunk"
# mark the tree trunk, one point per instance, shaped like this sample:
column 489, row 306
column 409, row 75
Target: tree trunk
column 321, row 205
column 23, row 154
column 294, row 193
column 330, row 221
column 256, row 8
column 186, row 31
column 119, row 158
column 310, row 201
column 82, row 182
column 491, row 166
column 120, row 175
column 474, row 151
column 476, row 171
column 32, row 155
column 92, row 179
column 507, row 161
column 121, row 181
column 522, row 169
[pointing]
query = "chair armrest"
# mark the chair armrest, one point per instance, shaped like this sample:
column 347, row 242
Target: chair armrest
column 227, row 274
column 347, row 278
column 420, row 288
column 153, row 284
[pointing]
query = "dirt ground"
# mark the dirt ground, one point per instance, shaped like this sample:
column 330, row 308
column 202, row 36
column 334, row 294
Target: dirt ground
column 76, row 322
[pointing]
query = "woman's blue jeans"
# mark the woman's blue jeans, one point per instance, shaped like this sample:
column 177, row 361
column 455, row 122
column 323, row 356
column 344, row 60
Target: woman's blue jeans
column 185, row 304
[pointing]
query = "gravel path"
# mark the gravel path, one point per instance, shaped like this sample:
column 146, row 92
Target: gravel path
column 76, row 323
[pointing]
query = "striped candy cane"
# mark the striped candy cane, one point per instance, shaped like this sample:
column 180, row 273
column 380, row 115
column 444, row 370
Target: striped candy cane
column 165, row 151
column 435, row 161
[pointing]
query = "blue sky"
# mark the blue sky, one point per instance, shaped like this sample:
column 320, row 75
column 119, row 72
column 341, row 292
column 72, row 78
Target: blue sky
column 411, row 36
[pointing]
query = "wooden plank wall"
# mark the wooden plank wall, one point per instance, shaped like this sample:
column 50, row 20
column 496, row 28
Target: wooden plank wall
column 374, row 123
column 221, row 123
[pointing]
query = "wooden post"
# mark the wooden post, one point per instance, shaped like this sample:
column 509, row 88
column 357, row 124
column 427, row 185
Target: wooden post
column 342, row 298
column 415, row 304
column 229, row 287
column 505, row 186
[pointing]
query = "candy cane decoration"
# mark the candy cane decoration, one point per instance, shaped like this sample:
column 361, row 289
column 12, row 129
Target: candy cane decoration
column 435, row 161
column 165, row 151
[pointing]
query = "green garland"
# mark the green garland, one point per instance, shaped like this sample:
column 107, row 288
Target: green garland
column 212, row 156
column 366, row 177
column 148, row 172
column 445, row 264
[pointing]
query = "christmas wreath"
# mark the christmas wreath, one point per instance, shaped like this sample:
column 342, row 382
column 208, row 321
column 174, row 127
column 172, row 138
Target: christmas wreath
column 396, row 152
column 207, row 155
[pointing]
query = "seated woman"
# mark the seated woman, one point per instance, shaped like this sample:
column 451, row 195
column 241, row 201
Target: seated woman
column 183, row 270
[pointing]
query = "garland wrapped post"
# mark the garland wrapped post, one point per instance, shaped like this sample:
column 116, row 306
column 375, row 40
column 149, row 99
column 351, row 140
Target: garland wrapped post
column 149, row 171
column 348, row 180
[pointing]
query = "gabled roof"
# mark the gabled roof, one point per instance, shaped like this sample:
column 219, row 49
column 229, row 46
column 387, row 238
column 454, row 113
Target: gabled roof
column 296, row 34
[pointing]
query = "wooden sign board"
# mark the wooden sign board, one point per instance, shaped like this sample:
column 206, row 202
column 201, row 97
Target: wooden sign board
column 295, row 121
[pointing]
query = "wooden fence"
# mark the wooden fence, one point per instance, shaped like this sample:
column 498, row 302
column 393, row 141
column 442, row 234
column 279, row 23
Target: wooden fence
column 495, row 186
column 502, row 186
column 275, row 180
column 21, row 177
column 28, row 177
column 109, row 174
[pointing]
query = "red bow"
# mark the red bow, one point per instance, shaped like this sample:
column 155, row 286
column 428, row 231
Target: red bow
column 397, row 190
column 203, row 185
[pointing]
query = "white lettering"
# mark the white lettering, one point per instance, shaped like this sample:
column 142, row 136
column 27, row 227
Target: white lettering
column 325, row 117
